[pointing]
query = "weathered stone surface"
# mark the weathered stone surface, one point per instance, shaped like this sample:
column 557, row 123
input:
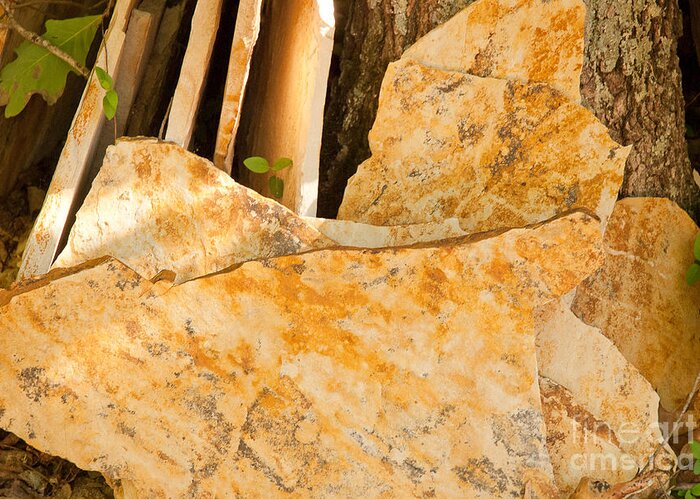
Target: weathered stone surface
column 639, row 298
column 333, row 373
column 526, row 40
column 286, row 95
column 494, row 153
column 156, row 207
column 611, row 405
column 579, row 444
column 356, row 234
column 244, row 38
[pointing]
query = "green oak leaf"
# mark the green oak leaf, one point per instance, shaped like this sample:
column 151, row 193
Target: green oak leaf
column 276, row 186
column 109, row 104
column 38, row 71
column 257, row 164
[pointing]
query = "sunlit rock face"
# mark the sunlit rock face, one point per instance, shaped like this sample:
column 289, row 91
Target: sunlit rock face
column 601, row 413
column 156, row 206
column 491, row 152
column 527, row 40
column 336, row 372
column 640, row 299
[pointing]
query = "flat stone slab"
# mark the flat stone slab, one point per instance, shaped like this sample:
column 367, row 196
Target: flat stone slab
column 157, row 207
column 338, row 372
column 640, row 299
column 530, row 41
column 493, row 153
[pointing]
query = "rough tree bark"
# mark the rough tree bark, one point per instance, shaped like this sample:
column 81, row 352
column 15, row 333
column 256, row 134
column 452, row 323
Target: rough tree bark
column 630, row 80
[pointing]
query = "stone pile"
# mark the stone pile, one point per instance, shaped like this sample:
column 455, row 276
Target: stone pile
column 467, row 330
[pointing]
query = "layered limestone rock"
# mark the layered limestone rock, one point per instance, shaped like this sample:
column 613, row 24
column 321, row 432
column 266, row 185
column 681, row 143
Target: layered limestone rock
column 530, row 41
column 603, row 422
column 640, row 300
column 156, row 207
column 336, row 372
column 493, row 153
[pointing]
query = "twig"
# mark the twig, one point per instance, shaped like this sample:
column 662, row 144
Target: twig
column 36, row 39
column 677, row 422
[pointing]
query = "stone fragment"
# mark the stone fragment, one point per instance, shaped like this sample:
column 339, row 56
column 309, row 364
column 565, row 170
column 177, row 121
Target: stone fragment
column 579, row 444
column 356, row 234
column 494, row 153
column 77, row 154
column 283, row 114
column 244, row 38
column 639, row 298
column 156, row 207
column 333, row 373
column 193, row 74
column 526, row 40
column 605, row 396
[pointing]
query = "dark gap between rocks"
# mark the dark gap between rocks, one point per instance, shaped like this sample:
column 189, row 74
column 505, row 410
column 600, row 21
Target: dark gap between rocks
column 207, row 123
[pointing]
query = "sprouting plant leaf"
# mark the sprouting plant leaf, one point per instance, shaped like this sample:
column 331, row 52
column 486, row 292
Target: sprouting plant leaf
column 696, row 247
column 38, row 71
column 257, row 164
column 105, row 80
column 688, row 494
column 691, row 277
column 695, row 448
column 276, row 186
column 109, row 104
column 696, row 467
column 282, row 163
column 695, row 490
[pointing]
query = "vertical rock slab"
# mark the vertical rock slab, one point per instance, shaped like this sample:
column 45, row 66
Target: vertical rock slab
column 606, row 397
column 244, row 38
column 158, row 207
column 336, row 372
column 193, row 75
column 493, row 153
column 639, row 298
column 286, row 96
column 529, row 41
column 74, row 162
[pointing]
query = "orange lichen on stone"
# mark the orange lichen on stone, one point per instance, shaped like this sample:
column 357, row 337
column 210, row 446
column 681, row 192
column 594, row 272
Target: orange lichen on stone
column 339, row 372
column 493, row 153
column 525, row 40
column 640, row 299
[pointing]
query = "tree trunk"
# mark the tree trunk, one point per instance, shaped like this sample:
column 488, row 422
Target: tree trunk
column 630, row 80
column 376, row 32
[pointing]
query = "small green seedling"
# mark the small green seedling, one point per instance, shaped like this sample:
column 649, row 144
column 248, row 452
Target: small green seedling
column 693, row 274
column 111, row 99
column 259, row 165
column 694, row 491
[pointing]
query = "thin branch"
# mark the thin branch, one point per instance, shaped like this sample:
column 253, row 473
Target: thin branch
column 36, row 39
column 677, row 422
